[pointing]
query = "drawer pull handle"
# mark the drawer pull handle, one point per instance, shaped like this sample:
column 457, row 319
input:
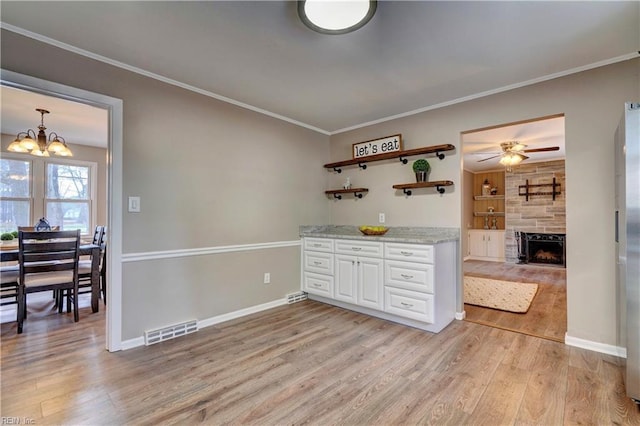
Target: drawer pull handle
column 315, row 262
column 316, row 285
column 356, row 248
column 406, row 253
column 406, row 305
column 406, row 277
column 317, row 245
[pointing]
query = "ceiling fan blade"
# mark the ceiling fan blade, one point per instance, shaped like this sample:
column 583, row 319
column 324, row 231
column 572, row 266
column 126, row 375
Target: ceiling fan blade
column 549, row 148
column 489, row 158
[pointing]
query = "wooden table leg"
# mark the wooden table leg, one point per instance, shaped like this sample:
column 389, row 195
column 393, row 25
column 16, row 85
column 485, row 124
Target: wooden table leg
column 95, row 278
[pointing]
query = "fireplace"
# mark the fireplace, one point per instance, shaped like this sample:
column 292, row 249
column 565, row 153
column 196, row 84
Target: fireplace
column 541, row 248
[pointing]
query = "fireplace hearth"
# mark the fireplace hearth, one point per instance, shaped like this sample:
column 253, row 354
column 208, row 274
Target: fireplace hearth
column 541, row 248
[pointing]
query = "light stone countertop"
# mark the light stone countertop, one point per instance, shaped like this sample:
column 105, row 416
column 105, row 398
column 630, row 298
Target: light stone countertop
column 399, row 234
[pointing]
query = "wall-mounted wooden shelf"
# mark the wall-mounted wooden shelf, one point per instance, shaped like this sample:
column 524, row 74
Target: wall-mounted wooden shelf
column 497, row 214
column 357, row 192
column 488, row 197
column 362, row 162
column 438, row 184
column 555, row 189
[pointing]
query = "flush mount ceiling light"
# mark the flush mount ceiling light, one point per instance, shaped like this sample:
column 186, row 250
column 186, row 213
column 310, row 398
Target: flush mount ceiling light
column 40, row 145
column 335, row 16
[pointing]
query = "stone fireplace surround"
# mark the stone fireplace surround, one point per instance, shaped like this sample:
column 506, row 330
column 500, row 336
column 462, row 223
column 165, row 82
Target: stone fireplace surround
column 541, row 214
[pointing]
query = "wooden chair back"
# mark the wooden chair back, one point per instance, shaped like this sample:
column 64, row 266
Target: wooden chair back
column 48, row 260
column 33, row 228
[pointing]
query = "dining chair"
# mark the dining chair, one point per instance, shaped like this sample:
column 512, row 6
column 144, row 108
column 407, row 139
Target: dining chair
column 84, row 265
column 9, row 284
column 33, row 228
column 48, row 260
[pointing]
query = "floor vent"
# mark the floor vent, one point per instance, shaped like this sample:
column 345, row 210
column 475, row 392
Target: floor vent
column 166, row 333
column 296, row 297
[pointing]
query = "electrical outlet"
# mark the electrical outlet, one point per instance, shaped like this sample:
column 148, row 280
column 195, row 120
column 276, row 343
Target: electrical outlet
column 267, row 278
column 381, row 217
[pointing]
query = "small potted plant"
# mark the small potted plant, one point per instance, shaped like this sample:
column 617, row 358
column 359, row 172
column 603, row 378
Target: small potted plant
column 6, row 237
column 421, row 168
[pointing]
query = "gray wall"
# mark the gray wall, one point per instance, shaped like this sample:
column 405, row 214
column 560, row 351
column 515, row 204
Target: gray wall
column 593, row 102
column 209, row 174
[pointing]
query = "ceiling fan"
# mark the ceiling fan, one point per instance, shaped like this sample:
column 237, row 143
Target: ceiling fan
column 513, row 152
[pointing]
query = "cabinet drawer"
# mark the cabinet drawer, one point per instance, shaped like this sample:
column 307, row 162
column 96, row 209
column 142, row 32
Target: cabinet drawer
column 319, row 262
column 409, row 252
column 409, row 304
column 360, row 248
column 321, row 285
column 410, row 276
column 319, row 244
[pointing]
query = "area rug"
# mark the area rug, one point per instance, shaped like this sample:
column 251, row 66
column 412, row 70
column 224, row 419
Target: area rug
column 504, row 295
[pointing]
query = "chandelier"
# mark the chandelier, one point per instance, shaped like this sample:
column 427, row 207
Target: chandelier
column 40, row 145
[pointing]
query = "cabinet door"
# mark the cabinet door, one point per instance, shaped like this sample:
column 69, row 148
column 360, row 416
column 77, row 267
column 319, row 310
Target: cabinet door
column 495, row 245
column 346, row 276
column 370, row 282
column 477, row 244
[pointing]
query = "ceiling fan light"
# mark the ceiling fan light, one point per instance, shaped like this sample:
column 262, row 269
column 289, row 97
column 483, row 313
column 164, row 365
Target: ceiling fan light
column 336, row 16
column 15, row 146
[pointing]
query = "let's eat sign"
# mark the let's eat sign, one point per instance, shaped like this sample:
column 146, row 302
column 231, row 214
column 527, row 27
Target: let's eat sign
column 377, row 146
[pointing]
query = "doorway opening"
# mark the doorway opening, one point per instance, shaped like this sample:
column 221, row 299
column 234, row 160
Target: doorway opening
column 114, row 109
column 496, row 214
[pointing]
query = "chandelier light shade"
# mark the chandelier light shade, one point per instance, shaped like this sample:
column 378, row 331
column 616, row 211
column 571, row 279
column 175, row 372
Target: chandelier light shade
column 40, row 144
column 336, row 16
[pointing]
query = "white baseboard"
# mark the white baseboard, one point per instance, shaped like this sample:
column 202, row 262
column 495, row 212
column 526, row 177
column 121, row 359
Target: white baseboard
column 139, row 341
column 595, row 346
column 461, row 315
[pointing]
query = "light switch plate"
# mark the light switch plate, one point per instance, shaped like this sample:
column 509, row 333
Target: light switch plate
column 134, row 204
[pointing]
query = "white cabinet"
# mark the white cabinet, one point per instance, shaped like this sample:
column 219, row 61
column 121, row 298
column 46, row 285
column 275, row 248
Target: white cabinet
column 486, row 244
column 317, row 266
column 413, row 284
column 358, row 278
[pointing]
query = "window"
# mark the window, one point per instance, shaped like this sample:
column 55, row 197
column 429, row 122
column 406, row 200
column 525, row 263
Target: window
column 15, row 193
column 68, row 200
column 60, row 190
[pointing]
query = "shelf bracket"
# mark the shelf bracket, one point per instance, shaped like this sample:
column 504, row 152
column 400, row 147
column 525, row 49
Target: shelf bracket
column 363, row 166
column 440, row 189
column 358, row 195
column 337, row 170
column 407, row 192
column 440, row 155
column 403, row 160
column 337, row 196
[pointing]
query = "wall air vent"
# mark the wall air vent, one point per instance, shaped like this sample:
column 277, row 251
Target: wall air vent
column 170, row 332
column 296, row 297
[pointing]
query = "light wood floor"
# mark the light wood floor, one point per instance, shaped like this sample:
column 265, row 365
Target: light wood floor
column 547, row 315
column 306, row 363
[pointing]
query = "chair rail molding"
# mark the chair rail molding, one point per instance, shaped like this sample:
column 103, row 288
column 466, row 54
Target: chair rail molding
column 172, row 254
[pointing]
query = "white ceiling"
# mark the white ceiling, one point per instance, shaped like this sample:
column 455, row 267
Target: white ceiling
column 77, row 123
column 412, row 56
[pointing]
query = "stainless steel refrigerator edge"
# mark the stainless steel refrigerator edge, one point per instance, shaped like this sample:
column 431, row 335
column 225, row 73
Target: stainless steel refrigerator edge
column 627, row 168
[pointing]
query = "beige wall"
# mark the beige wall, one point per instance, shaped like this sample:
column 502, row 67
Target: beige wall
column 592, row 102
column 209, row 174
column 82, row 153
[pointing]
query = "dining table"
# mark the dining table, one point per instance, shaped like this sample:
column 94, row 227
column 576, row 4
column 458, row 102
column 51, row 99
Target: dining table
column 9, row 253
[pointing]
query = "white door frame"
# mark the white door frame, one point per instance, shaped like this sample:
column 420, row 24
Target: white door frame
column 114, row 185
